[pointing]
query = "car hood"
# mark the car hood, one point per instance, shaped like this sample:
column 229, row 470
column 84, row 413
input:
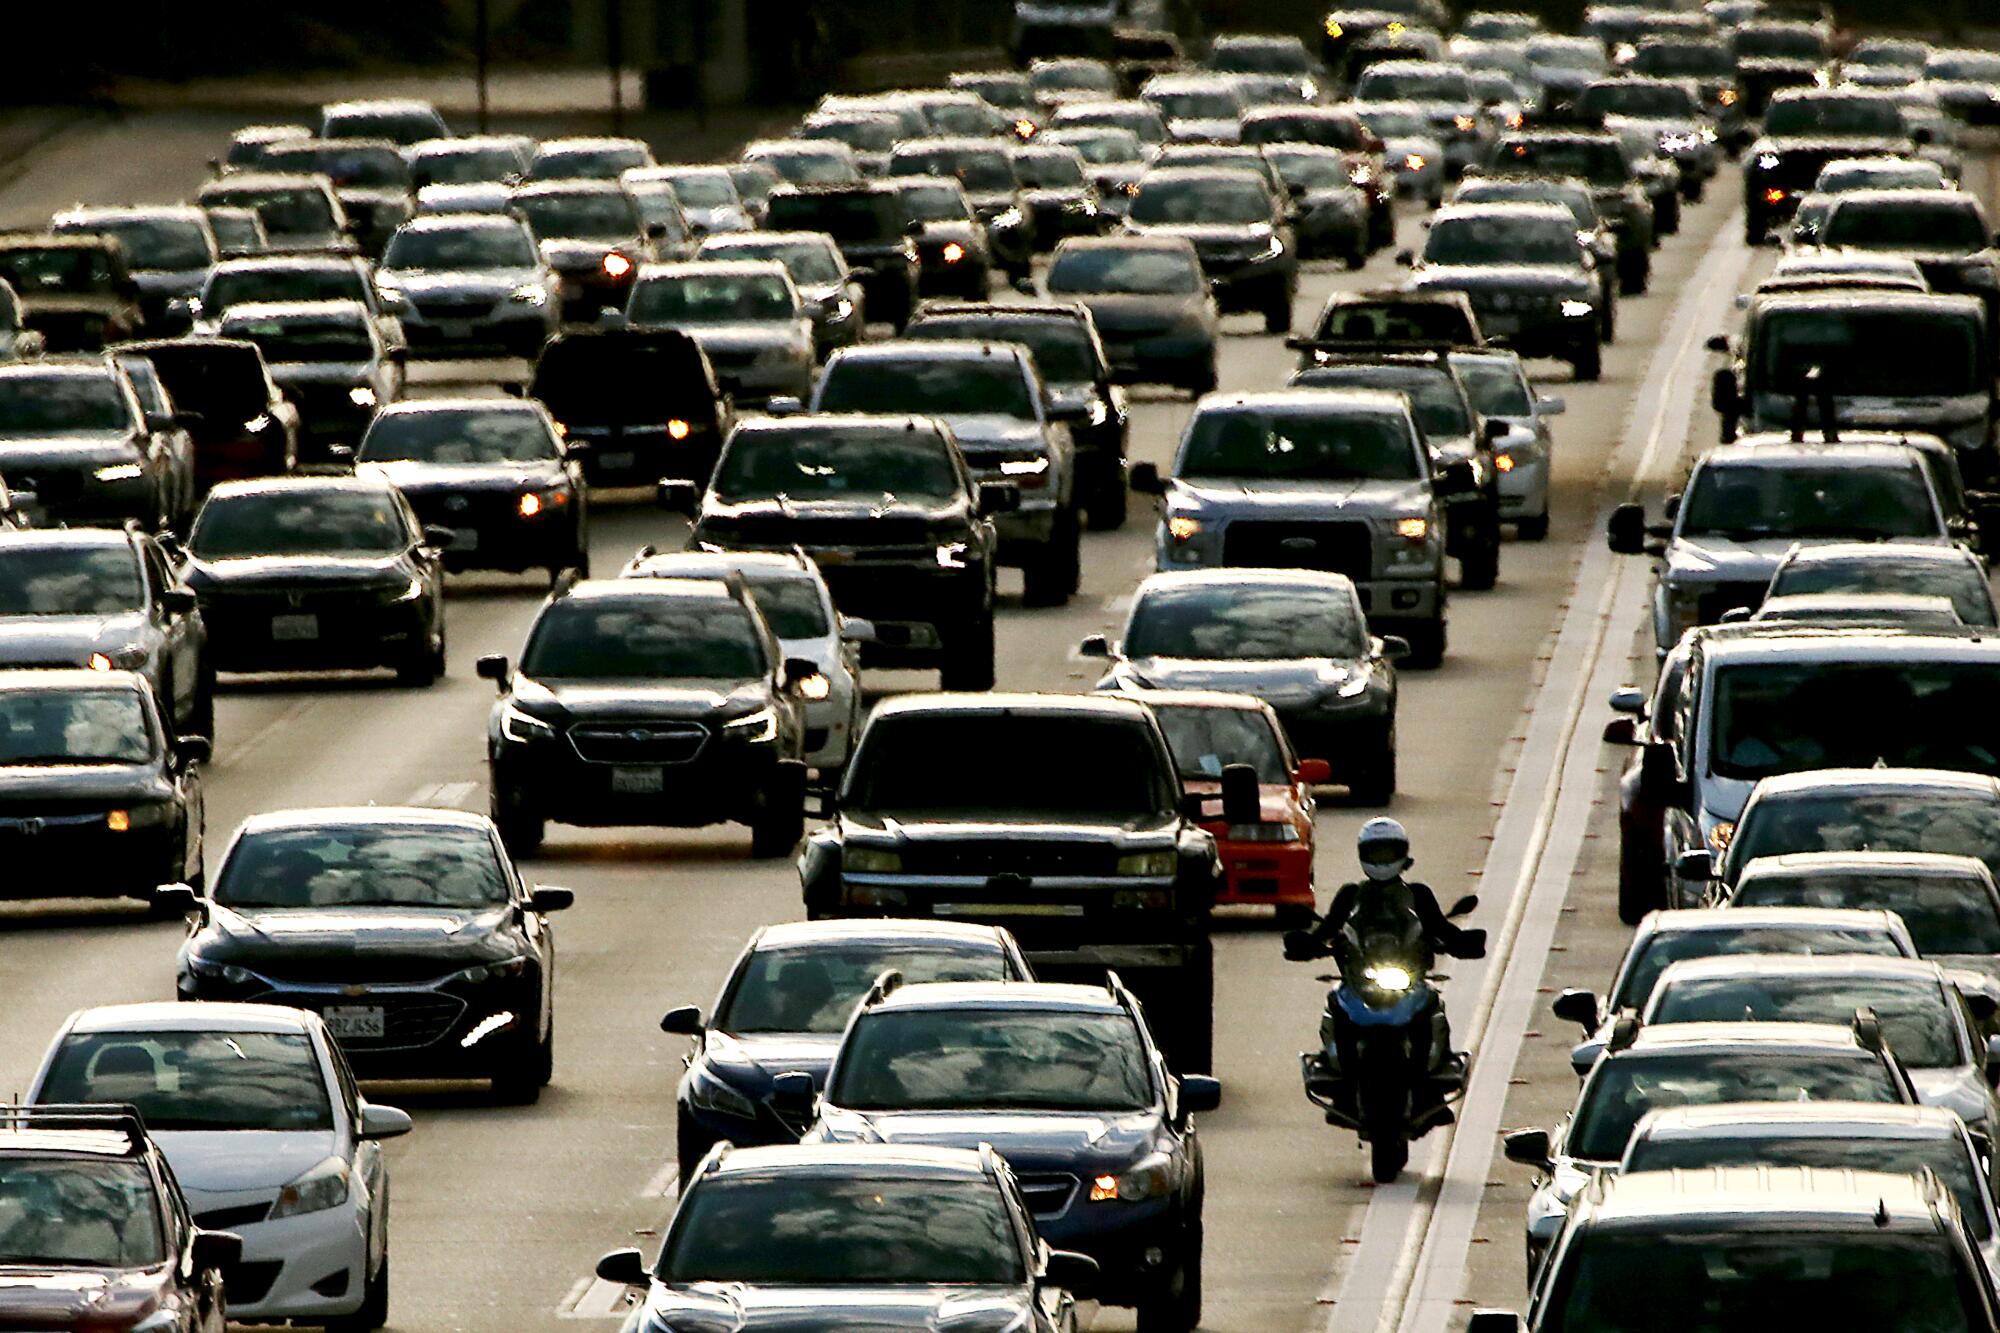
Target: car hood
column 986, row 433
column 1306, row 499
column 49, row 639
column 1133, row 313
column 1551, row 278
column 1029, row 1140
column 713, row 1307
column 1956, row 1088
column 41, row 1296
column 750, row 1060
column 752, row 337
column 94, row 449
column 245, row 573
column 1280, row 683
column 1719, row 560
column 639, row 700
column 422, row 478
column 494, row 282
column 230, row 1161
column 38, row 786
column 356, row 935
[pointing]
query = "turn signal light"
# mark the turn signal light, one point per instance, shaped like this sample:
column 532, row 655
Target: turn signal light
column 118, row 821
column 1505, row 462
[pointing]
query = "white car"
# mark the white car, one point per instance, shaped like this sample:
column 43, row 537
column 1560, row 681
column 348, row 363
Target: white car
column 793, row 599
column 258, row 1115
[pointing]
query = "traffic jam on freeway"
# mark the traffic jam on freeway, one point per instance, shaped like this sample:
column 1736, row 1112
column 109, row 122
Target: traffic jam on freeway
column 960, row 594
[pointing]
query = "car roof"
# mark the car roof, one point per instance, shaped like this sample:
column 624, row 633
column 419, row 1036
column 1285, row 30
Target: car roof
column 1241, row 703
column 1199, row 175
column 178, row 1016
column 1736, row 1197
column 1179, row 244
column 304, row 312
column 620, row 590
column 838, row 423
column 997, row 703
column 718, row 564
column 49, row 240
column 1743, row 1040
column 89, row 539
column 1242, row 578
column 378, row 104
column 251, row 263
column 229, row 490
column 267, row 180
column 1913, row 303
column 31, row 679
column 363, row 816
column 1530, row 209
column 587, row 143
column 114, row 212
column 1051, row 997
column 1770, row 918
column 1314, row 400
column 1926, row 552
column 932, row 349
column 464, row 221
column 1780, row 453
column 404, row 407
column 805, row 934
column 1729, row 1121
column 78, row 369
column 1063, row 312
column 850, row 1159
column 1880, row 781
column 715, row 268
column 1729, row 966
column 1883, row 865
column 756, row 240
column 1875, row 643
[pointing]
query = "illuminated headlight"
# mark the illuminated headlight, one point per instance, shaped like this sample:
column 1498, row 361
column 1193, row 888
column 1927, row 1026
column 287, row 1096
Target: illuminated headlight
column 1719, row 836
column 323, row 1187
column 1414, row 161
column 842, row 309
column 1413, row 528
column 533, row 503
column 815, row 687
column 1706, row 135
column 151, row 815
column 871, row 861
column 1309, row 91
column 1352, row 686
column 1680, row 143
column 361, row 396
column 516, row 725
column 616, row 265
column 1766, row 161
column 951, row 555
column 1387, row 976
column 1024, row 467
column 953, row 252
column 1464, row 124
column 1333, row 28
column 1025, row 128
column 1182, row 528
column 120, row 472
column 755, row 728
column 1727, row 97
column 1504, row 462
column 529, row 295
column 506, row 967
column 1150, row 1178
column 1147, row 863
column 1100, row 412
column 1360, row 175
column 1575, row 309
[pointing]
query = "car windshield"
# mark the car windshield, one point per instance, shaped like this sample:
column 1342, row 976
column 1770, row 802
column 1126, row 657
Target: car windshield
column 237, row 230
column 1961, row 581
column 1919, row 821
column 814, row 988
column 59, row 727
column 1496, row 385
column 704, row 189
column 1945, row 915
column 979, row 170
column 1871, row 353
column 1111, row 766
column 69, row 581
column 1885, row 173
column 402, row 127
column 1915, row 1014
column 1912, row 224
column 1125, row 270
column 1236, row 623
column 1496, row 238
column 1567, row 54
column 1749, row 502
column 300, row 521
column 1805, row 116
column 1061, row 347
column 474, row 435
column 477, row 247
column 1771, row 718
column 77, row 1212
column 1235, row 199
column 713, row 298
column 596, row 216
column 345, row 865
column 464, row 166
column 1232, row 443
column 1049, row 170
column 195, row 1080
column 811, row 464
column 1755, row 42
column 1205, row 739
column 814, row 1229
column 668, row 638
column 33, row 405
column 957, row 386
column 1391, row 320
column 1310, row 171
column 1197, row 103
column 1636, row 979
column 994, row 1059
column 1633, row 98
column 57, row 271
column 365, row 167
column 283, row 282
column 1621, row 1090
column 305, row 341
column 165, row 243
column 811, row 263
column 1435, row 398
column 287, row 210
column 627, row 379
column 1733, row 1280
column 1943, row 1155
column 1394, row 122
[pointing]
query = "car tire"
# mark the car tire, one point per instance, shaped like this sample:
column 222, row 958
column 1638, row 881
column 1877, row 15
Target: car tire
column 426, row 668
column 1533, row 529
column 1176, row 1306
column 1053, row 572
column 968, row 656
column 1375, row 784
column 1641, row 888
column 374, row 1310
column 1755, row 232
column 1108, row 504
column 1634, row 274
column 1278, row 314
column 780, row 820
column 522, row 1081
column 1587, row 366
column 1387, row 1157
column 1427, row 645
column 1479, row 568
column 522, row 828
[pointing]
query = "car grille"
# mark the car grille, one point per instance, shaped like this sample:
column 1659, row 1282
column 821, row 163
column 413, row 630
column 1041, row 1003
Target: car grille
column 409, row 1018
column 239, row 1215
column 814, row 532
column 1340, row 548
column 1718, row 598
column 456, row 307
column 734, row 360
column 638, row 742
column 1049, row 1193
column 248, row 1282
column 1506, row 301
column 1009, row 857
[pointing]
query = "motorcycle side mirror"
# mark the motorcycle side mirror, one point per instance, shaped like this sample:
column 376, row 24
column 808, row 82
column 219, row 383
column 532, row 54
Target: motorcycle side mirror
column 1529, row 1147
column 1694, row 865
column 1298, row 945
column 1241, row 801
column 1464, row 906
column 1578, row 1007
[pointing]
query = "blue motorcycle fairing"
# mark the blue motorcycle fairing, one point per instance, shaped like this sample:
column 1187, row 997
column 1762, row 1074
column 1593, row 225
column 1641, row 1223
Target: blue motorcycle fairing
column 1400, row 1014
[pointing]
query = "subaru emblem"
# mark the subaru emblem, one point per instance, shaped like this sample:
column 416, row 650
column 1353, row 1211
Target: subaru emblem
column 638, row 734
column 1299, row 544
column 31, row 827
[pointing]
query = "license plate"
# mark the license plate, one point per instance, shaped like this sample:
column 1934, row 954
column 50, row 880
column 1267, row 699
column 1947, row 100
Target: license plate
column 638, row 781
column 455, row 328
column 1010, row 909
column 354, row 1020
column 463, row 540
column 294, row 629
column 616, row 462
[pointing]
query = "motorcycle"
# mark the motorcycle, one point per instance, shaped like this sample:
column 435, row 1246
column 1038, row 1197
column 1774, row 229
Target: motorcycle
column 1383, row 989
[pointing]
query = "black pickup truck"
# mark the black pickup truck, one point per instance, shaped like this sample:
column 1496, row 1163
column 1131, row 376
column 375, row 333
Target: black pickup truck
column 1057, row 816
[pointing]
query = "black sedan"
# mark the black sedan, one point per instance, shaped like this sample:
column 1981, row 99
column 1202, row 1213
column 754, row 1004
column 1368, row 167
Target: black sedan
column 319, row 574
column 409, row 931
column 90, row 776
column 493, row 471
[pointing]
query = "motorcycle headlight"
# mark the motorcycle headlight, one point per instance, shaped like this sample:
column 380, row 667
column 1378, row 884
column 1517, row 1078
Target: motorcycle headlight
column 1148, row 863
column 1388, row 977
column 872, row 860
column 516, row 725
column 323, row 1187
column 755, row 728
column 712, row 1094
column 1151, row 1177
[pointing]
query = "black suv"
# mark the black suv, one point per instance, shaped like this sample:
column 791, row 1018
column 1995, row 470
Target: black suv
column 662, row 702
column 867, row 222
column 887, row 508
column 1092, row 861
column 637, row 404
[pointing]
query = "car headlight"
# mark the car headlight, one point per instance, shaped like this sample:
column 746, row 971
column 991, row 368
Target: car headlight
column 1183, row 528
column 533, row 504
column 1100, row 412
column 323, row 1187
column 1575, row 309
column 361, row 396
column 815, row 687
column 1272, row 249
column 712, row 1094
column 952, row 252
column 150, row 815
column 1352, row 685
column 1414, row 161
column 872, row 861
column 616, row 265
column 1360, row 175
column 1464, row 124
column 1720, row 834
column 1024, row 467
column 840, row 310
column 120, row 472
column 506, row 967
column 951, row 555
column 1414, row 528
column 1148, row 863
column 755, row 728
column 1387, row 976
column 1150, row 1177
column 529, row 294
column 208, row 970
column 516, row 725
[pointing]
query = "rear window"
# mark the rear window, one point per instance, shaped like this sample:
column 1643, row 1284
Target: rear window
column 591, row 379
column 845, row 217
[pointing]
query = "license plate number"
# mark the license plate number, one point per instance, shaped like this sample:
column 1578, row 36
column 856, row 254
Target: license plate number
column 354, row 1020
column 616, row 462
column 638, row 781
column 293, row 629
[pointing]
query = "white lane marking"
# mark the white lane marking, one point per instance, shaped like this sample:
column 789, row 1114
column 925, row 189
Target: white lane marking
column 1409, row 1266
column 442, row 795
column 598, row 1299
column 665, row 1182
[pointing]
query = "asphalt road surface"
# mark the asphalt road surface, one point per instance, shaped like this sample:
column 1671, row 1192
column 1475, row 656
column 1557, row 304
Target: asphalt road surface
column 499, row 1213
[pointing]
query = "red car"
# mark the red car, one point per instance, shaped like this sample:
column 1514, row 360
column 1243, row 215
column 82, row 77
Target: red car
column 1269, row 862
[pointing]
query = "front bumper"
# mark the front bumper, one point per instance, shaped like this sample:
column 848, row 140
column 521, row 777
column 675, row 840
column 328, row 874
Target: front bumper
column 722, row 780
column 309, row 1267
column 1133, row 1243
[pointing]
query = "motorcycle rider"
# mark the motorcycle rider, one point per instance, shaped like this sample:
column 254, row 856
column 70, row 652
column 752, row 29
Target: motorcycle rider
column 1385, row 902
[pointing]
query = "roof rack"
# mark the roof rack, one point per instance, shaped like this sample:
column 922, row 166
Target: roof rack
column 109, row 1117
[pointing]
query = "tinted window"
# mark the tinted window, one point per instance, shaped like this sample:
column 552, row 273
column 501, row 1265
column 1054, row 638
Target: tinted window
column 304, row 342
column 1245, row 624
column 1773, row 718
column 1435, row 398
column 1963, row 583
column 1914, row 1014
column 1621, row 1090
column 813, row 465
column 1298, row 446
column 1883, row 822
column 1213, row 199
column 224, row 383
column 69, row 581
column 1205, row 740
column 644, row 639
column 358, row 866
column 811, row 263
column 287, row 210
column 300, row 522
column 1635, row 983
column 943, row 1059
column 280, row 282
column 58, row 727
column 1109, row 767
column 790, row 606
column 1746, row 502
column 70, row 270
column 814, row 988
column 75, row 1212
column 861, row 217
column 993, row 385
column 61, row 404
column 464, row 166
column 196, row 1080
column 459, row 435
column 1061, row 347
column 1833, row 115
column 980, row 170
column 1907, row 225
column 1495, row 238
column 1496, row 387
column 1944, row 915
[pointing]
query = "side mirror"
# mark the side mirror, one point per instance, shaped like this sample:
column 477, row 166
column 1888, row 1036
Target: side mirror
column 1629, row 699
column 1579, row 1007
column 1465, row 906
column 193, row 749
column 1621, row 731
column 1718, row 342
column 1145, row 479
column 1552, row 406
column 492, row 667
column 1456, row 478
column 677, row 496
column 157, row 422
column 1314, row 772
column 1626, row 530
column 1199, row 1093
column 176, row 899
column 1495, row 431
column 1394, row 648
column 792, row 1093
column 1094, row 645
column 575, row 451
column 1993, row 1056
column 1529, row 1147
column 853, row 629
column 1695, row 866
column 437, row 538
column 1073, row 1272
column 1722, row 392
column 178, row 601
column 1242, row 802
column 183, row 417
column 684, row 1021
column 784, row 405
column 625, row 1268
column 216, row 1249
column 384, row 1122
column 656, row 231
column 1735, row 615
column 550, row 898
column 998, row 497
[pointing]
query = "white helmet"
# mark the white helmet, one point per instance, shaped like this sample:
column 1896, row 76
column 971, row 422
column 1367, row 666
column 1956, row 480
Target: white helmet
column 1384, row 848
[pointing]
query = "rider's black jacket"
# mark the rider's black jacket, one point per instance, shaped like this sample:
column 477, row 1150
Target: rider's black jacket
column 1391, row 898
